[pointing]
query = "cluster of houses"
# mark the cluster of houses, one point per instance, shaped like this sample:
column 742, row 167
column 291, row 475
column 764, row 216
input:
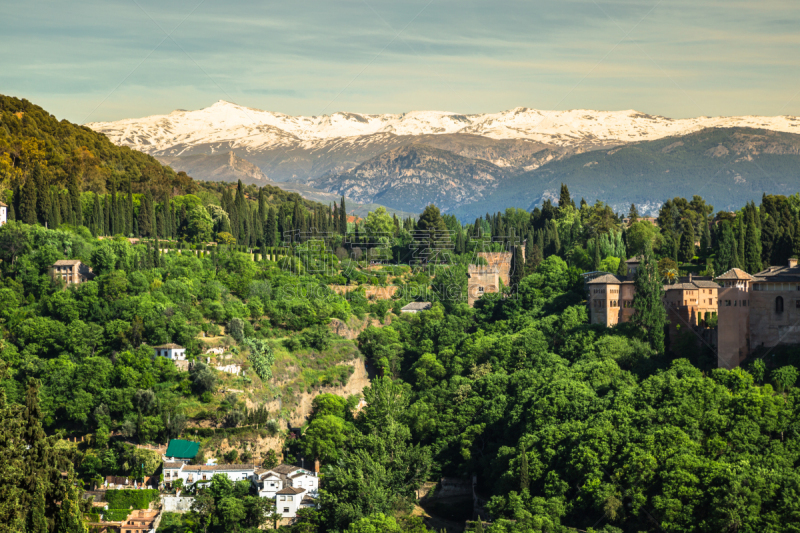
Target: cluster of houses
column 751, row 312
column 291, row 487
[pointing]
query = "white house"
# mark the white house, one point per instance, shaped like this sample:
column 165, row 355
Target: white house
column 171, row 351
column 292, row 488
column 288, row 501
column 191, row 474
column 3, row 213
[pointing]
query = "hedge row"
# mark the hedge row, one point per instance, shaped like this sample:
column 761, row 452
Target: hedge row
column 116, row 515
column 130, row 498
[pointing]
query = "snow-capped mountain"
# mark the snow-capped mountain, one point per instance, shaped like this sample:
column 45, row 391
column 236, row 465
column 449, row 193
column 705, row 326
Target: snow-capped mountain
column 225, row 126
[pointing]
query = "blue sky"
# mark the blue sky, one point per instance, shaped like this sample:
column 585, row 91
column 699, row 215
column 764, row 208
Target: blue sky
column 111, row 59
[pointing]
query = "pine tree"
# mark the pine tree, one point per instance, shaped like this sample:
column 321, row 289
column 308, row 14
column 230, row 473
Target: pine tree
column 564, row 199
column 633, row 214
column 479, row 525
column 649, row 313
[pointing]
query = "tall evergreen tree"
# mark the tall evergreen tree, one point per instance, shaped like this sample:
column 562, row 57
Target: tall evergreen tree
column 705, row 236
column 27, row 205
column 686, row 250
column 564, row 198
column 342, row 217
column 649, row 312
column 752, row 249
column 517, row 268
column 633, row 214
column 75, row 201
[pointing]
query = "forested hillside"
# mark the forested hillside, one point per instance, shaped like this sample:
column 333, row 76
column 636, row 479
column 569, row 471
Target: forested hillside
column 564, row 425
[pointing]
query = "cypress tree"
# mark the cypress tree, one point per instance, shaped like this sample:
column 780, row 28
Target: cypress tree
column 54, row 207
column 27, row 205
column 622, row 271
column 686, row 251
column 596, row 260
column 752, row 249
column 43, row 197
column 342, row 217
column 65, row 208
column 143, row 218
column 479, row 525
column 740, row 237
column 705, row 237
column 649, row 313
column 270, row 237
column 517, row 268
column 75, row 201
column 106, row 230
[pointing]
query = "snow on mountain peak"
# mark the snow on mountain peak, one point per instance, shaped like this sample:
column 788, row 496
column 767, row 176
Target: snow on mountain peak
column 236, row 125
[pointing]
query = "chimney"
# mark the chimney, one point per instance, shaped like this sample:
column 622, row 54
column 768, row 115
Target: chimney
column 792, row 262
column 316, row 466
column 690, row 277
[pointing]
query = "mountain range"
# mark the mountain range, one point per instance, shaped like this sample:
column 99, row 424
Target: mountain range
column 472, row 163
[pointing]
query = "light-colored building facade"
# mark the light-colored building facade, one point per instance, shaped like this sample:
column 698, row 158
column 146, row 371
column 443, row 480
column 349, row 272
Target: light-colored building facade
column 71, row 271
column 192, row 474
column 171, row 351
column 3, row 213
column 481, row 280
column 758, row 311
column 292, row 488
column 690, row 303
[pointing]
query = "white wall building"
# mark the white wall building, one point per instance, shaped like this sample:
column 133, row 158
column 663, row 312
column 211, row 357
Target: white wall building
column 171, row 351
column 191, row 474
column 3, row 213
column 292, row 488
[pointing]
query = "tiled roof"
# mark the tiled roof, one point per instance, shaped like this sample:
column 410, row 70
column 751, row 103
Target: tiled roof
column 170, row 346
column 182, row 449
column 285, row 469
column 173, row 465
column 779, row 274
column 605, row 280
column 291, row 490
column 417, row 306
column 735, row 273
column 218, row 468
column 3, row 205
column 67, row 262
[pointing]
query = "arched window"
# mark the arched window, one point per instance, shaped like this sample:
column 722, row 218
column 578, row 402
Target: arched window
column 779, row 304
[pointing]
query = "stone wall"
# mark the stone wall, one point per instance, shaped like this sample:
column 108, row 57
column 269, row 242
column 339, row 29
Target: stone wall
column 482, row 280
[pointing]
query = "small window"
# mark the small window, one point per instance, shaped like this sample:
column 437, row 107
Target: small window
column 727, row 303
column 283, row 498
column 797, row 304
column 285, row 509
column 779, row 304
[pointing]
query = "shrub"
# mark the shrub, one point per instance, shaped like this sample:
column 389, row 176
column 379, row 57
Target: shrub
column 130, row 498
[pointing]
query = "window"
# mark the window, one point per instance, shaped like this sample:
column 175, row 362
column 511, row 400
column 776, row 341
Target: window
column 286, row 510
column 779, row 304
column 480, row 289
column 727, row 303
column 290, row 498
column 797, row 304
column 283, row 498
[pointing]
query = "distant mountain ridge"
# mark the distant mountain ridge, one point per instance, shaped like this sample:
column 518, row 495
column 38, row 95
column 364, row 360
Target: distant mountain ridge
column 472, row 163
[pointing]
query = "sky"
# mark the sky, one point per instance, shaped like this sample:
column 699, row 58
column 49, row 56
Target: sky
column 102, row 60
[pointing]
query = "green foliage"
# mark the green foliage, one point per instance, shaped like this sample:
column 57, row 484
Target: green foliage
column 261, row 357
column 130, row 498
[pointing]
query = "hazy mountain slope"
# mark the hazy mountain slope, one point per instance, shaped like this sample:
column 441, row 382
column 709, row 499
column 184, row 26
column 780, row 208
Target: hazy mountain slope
column 217, row 167
column 727, row 166
column 413, row 176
